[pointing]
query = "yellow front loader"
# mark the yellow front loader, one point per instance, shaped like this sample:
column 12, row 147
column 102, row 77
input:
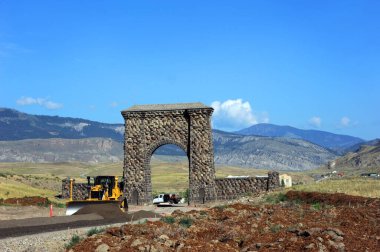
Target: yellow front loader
column 104, row 190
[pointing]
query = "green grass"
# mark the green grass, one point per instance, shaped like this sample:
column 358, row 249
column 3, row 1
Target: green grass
column 73, row 241
column 168, row 219
column 186, row 222
column 275, row 198
column 94, row 230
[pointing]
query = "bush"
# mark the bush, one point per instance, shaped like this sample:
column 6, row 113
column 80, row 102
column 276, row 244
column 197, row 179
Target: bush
column 316, row 206
column 74, row 240
column 276, row 198
column 94, row 230
column 275, row 228
column 185, row 194
column 60, row 205
column 186, row 222
column 168, row 219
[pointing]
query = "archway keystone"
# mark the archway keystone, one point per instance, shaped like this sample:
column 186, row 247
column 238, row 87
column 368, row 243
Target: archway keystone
column 187, row 125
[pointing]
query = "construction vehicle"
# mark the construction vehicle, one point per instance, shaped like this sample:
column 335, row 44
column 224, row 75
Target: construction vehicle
column 103, row 190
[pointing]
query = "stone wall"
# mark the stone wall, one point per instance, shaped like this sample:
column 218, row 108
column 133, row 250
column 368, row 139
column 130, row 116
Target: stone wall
column 230, row 188
column 80, row 191
column 225, row 188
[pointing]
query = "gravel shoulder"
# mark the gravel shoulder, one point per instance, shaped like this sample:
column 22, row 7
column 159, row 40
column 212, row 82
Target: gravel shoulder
column 20, row 218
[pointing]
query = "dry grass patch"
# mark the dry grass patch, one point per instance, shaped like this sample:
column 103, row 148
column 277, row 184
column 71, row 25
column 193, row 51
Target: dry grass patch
column 351, row 186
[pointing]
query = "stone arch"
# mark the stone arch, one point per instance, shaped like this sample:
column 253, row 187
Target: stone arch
column 147, row 127
column 153, row 147
column 148, row 155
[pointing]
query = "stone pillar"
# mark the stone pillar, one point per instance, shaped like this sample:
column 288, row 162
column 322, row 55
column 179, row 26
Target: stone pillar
column 201, row 157
column 273, row 180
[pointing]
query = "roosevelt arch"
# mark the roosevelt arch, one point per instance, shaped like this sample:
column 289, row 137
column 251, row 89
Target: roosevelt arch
column 188, row 126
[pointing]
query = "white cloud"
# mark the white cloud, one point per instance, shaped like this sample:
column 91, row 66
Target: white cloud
column 25, row 101
column 235, row 115
column 345, row 121
column 315, row 121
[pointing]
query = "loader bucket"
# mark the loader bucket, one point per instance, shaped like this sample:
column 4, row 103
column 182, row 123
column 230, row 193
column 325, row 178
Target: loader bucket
column 74, row 206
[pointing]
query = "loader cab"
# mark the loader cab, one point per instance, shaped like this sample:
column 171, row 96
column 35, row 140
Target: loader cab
column 101, row 184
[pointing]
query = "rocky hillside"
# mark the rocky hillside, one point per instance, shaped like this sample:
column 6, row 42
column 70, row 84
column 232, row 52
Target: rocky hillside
column 61, row 150
column 268, row 152
column 15, row 125
column 336, row 142
column 366, row 159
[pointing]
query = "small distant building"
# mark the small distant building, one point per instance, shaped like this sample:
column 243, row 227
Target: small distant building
column 286, row 180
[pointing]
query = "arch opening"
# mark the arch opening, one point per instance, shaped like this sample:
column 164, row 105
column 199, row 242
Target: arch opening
column 169, row 171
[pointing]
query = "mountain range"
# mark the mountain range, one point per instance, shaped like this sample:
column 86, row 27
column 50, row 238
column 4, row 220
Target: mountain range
column 38, row 138
column 336, row 142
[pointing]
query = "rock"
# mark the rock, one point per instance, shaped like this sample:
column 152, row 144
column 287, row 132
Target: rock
column 258, row 245
column 333, row 235
column 102, row 248
column 153, row 249
column 310, row 246
column 293, row 230
column 293, row 239
column 180, row 247
column 337, row 245
column 314, row 230
column 169, row 243
column 336, row 230
column 322, row 248
column 304, row 233
column 163, row 238
column 136, row 243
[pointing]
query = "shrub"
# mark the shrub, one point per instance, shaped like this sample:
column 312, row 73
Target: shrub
column 316, row 206
column 185, row 194
column 202, row 213
column 275, row 228
column 276, row 198
column 168, row 219
column 94, row 230
column 74, row 240
column 60, row 205
column 186, row 222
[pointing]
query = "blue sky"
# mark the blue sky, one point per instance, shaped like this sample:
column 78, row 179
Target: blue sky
column 307, row 64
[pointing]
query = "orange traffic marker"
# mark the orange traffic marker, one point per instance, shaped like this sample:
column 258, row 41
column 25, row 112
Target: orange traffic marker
column 51, row 210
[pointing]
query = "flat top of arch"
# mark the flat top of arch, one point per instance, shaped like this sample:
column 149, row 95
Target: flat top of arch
column 164, row 107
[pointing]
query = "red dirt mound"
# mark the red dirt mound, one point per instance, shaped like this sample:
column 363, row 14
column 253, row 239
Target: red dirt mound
column 336, row 199
column 27, row 201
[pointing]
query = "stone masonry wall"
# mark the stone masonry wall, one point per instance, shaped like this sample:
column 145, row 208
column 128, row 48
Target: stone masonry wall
column 230, row 188
column 147, row 130
column 80, row 191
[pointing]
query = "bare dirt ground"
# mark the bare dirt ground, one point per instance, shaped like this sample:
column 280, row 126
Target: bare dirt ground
column 299, row 222
column 28, row 228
